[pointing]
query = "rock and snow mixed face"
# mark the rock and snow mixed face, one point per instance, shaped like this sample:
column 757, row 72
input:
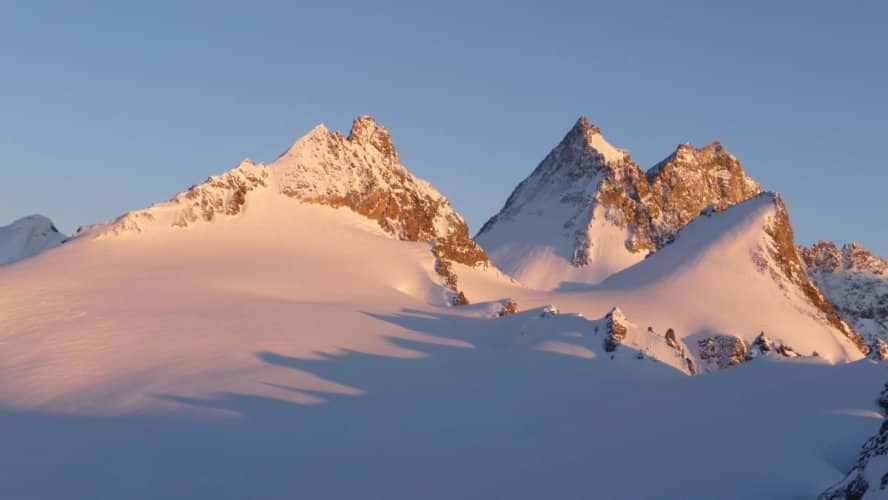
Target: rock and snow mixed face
column 856, row 282
column 361, row 172
column 588, row 210
column 27, row 237
column 868, row 479
column 735, row 273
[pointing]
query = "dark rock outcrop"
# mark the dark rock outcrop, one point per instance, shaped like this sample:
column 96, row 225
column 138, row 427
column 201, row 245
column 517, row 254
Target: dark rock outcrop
column 721, row 351
column 615, row 329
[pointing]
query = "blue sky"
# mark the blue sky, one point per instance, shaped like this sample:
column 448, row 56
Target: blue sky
column 108, row 107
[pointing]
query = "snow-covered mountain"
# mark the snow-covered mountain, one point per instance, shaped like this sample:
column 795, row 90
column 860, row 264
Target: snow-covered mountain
column 726, row 280
column 27, row 237
column 361, row 172
column 856, row 281
column 303, row 311
column 588, row 210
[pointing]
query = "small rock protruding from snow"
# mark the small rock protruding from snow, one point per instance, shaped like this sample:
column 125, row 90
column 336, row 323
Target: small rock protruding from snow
column 27, row 237
column 508, row 307
column 721, row 351
column 616, row 324
column 765, row 346
column 673, row 342
column 549, row 311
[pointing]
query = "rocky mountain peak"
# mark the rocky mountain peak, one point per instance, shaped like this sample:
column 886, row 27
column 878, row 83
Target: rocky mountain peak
column 361, row 172
column 365, row 130
column 590, row 188
column 585, row 138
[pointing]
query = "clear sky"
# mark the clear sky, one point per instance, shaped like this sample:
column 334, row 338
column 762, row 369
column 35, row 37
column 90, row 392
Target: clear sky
column 108, row 107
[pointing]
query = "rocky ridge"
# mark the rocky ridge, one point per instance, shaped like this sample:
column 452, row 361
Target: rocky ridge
column 856, row 282
column 361, row 172
column 588, row 179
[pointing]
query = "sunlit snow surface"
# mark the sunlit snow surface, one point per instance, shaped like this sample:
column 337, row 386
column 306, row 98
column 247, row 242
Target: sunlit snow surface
column 296, row 351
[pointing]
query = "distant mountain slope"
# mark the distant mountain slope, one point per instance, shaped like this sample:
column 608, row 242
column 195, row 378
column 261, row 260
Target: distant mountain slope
column 856, row 281
column 361, row 172
column 734, row 274
column 27, row 237
column 588, row 210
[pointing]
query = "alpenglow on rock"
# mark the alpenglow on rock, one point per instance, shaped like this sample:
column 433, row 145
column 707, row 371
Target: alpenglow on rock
column 361, row 172
column 856, row 282
column 588, row 210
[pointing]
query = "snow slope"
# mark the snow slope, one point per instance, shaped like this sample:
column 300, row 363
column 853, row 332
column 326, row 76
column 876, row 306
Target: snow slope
column 299, row 350
column 27, row 237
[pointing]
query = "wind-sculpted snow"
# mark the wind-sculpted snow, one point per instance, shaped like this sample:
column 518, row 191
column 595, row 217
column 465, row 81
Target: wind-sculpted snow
column 588, row 210
column 27, row 237
column 856, row 281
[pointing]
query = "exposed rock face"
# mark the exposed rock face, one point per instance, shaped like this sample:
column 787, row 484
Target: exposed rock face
column 764, row 346
column 690, row 180
column 680, row 349
column 879, row 349
column 585, row 184
column 223, row 194
column 869, row 477
column 721, row 351
column 361, row 172
column 616, row 329
column 27, row 237
column 510, row 306
column 856, row 282
column 786, row 262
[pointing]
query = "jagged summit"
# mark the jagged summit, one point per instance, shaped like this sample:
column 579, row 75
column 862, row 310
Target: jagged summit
column 594, row 211
column 26, row 237
column 588, row 137
column 826, row 256
column 365, row 130
column 361, row 172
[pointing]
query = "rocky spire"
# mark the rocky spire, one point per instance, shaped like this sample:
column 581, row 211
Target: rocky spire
column 587, row 138
column 588, row 185
column 365, row 130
